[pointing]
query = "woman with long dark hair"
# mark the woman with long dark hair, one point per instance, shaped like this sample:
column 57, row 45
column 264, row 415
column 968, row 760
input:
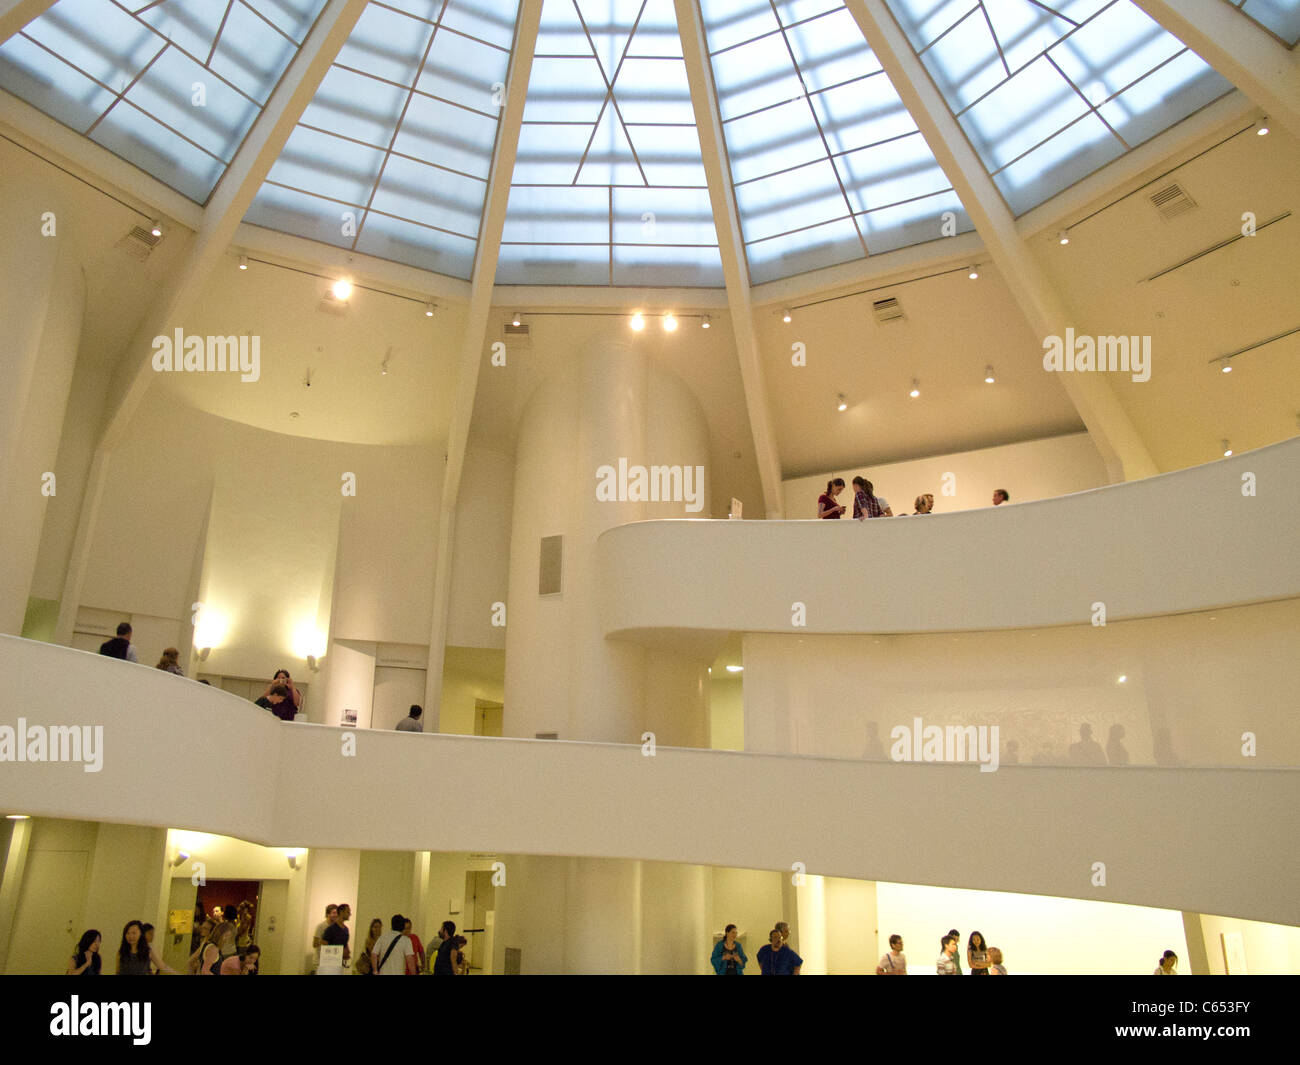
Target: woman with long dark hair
column 865, row 503
column 135, row 957
column 826, row 505
column 977, row 955
column 86, row 961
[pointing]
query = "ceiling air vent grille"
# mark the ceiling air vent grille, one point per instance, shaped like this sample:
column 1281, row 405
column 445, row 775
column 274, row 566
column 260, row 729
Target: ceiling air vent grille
column 888, row 310
column 139, row 243
column 1171, row 201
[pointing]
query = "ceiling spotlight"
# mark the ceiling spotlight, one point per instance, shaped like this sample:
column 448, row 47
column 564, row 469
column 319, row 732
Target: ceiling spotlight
column 156, row 228
column 974, row 274
column 637, row 323
column 243, row 262
column 429, row 308
column 786, row 315
column 735, row 669
column 1263, row 127
column 1122, row 678
column 1063, row 237
column 916, row 388
column 988, row 375
column 515, row 319
column 704, row 322
column 843, row 406
column 1227, row 449
column 342, row 288
column 670, row 323
column 1227, row 367
column 18, row 817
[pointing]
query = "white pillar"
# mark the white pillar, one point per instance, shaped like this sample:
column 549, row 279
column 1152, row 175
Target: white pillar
column 607, row 407
column 41, row 306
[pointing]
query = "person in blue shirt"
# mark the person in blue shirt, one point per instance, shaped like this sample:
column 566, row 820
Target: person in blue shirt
column 777, row 959
column 728, row 955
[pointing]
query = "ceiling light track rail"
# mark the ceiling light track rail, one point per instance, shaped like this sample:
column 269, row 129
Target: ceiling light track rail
column 1218, row 247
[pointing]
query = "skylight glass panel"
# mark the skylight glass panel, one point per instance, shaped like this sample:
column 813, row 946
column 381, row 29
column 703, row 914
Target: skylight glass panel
column 1279, row 17
column 393, row 154
column 1048, row 91
column 609, row 185
column 173, row 87
column 817, row 139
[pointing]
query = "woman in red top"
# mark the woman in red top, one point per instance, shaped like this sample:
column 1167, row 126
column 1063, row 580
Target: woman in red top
column 419, row 947
column 826, row 505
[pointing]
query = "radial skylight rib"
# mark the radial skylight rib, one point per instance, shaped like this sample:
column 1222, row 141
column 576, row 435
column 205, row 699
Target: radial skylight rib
column 392, row 156
column 609, row 185
column 826, row 164
column 1049, row 93
column 156, row 83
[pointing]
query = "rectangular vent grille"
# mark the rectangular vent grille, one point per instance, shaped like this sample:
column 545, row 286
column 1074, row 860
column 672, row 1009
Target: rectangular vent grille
column 888, row 310
column 139, row 243
column 1171, row 201
column 551, row 566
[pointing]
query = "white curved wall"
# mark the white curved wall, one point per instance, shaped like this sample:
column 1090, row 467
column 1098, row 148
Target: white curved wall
column 1188, row 540
column 177, row 754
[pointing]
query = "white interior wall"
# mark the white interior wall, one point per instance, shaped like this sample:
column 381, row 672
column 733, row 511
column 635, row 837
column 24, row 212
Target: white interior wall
column 481, row 560
column 1037, row 935
column 1036, row 469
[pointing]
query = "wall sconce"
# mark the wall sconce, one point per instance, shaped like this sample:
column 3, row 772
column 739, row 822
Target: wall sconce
column 203, row 653
column 181, row 858
column 311, row 664
column 292, row 858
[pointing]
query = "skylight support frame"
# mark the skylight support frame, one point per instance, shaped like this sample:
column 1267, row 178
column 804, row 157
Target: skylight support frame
column 486, row 255
column 15, row 14
column 731, row 246
column 1240, row 49
column 1122, row 449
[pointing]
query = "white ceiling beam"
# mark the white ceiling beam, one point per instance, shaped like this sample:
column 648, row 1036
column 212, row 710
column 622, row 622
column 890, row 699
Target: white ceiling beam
column 731, row 245
column 15, row 14
column 226, row 208
column 488, row 252
column 486, row 256
column 1238, row 48
column 1121, row 448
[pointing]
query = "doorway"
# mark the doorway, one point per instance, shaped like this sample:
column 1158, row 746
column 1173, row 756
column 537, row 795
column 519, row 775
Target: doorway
column 480, row 902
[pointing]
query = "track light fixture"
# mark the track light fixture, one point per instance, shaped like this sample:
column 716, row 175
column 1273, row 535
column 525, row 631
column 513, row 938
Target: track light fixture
column 1063, row 237
column 429, row 308
column 974, row 274
column 637, row 323
column 704, row 322
column 516, row 319
column 916, row 388
column 342, row 288
column 243, row 262
column 988, row 375
column 1263, row 127
column 669, row 323
column 842, row 405
column 1227, row 450
column 786, row 316
column 156, row 228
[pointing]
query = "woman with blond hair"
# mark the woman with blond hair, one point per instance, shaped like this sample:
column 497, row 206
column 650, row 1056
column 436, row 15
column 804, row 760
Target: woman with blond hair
column 171, row 662
column 924, row 503
column 217, row 949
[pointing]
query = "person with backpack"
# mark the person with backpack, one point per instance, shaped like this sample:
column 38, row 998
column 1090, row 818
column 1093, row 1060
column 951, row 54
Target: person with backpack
column 120, row 645
column 393, row 954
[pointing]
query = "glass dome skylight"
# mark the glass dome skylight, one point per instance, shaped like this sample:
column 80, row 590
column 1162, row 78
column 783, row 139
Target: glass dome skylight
column 393, row 154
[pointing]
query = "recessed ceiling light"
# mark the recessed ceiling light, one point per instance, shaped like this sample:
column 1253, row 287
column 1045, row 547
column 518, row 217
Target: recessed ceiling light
column 1063, row 237
column 916, row 388
column 786, row 315
column 988, row 375
column 342, row 288
column 243, row 262
column 670, row 323
column 704, row 322
column 637, row 323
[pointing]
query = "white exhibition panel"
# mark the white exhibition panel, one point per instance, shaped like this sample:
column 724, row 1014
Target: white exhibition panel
column 180, row 755
column 1182, row 541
